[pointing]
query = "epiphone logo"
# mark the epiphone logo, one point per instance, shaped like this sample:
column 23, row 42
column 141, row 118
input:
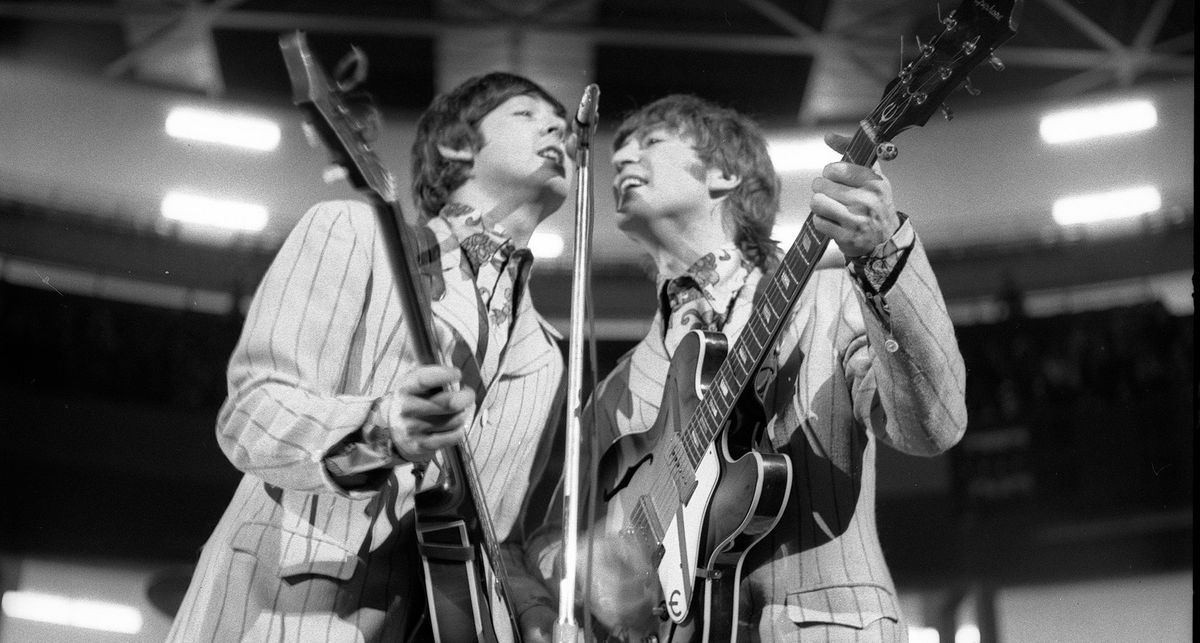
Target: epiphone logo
column 989, row 8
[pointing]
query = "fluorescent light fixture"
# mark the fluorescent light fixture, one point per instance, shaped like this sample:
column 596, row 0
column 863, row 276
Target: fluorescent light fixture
column 235, row 130
column 74, row 612
column 546, row 245
column 218, row 213
column 1095, row 122
column 786, row 233
column 1106, row 206
column 923, row 635
column 966, row 634
column 801, row 154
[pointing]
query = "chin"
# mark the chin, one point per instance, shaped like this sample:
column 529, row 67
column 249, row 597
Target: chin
column 552, row 200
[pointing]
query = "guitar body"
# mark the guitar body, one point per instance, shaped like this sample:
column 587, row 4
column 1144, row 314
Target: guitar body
column 765, row 480
column 683, row 517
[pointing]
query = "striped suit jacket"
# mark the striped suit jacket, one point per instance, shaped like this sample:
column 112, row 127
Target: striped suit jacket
column 296, row 557
column 838, row 393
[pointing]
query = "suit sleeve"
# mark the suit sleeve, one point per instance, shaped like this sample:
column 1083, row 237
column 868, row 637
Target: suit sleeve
column 284, row 411
column 908, row 377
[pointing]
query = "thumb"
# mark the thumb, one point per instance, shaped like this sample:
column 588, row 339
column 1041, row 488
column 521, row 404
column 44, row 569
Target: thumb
column 837, row 142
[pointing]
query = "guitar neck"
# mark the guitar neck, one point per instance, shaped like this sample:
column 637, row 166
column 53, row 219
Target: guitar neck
column 772, row 306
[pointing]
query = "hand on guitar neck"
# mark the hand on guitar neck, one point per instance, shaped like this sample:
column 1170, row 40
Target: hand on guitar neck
column 852, row 204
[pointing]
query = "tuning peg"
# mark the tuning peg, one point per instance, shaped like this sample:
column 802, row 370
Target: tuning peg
column 947, row 112
column 351, row 70
column 949, row 21
column 995, row 62
column 925, row 49
column 970, row 89
column 887, row 151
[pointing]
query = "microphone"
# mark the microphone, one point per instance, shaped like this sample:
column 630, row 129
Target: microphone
column 586, row 118
column 589, row 107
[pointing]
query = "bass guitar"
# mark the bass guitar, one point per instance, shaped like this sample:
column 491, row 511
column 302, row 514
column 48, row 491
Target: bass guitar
column 694, row 491
column 464, row 576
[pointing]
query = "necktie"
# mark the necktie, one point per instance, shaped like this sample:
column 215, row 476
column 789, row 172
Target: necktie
column 496, row 267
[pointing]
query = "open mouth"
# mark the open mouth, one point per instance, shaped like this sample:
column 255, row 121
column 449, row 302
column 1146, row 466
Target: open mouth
column 629, row 182
column 554, row 154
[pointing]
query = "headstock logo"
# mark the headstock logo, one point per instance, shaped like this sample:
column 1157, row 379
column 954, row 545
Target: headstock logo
column 990, row 9
column 888, row 113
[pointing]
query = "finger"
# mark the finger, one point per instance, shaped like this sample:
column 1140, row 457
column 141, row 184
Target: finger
column 442, row 403
column 850, row 174
column 424, row 378
column 434, row 424
column 439, row 441
column 837, row 142
column 832, row 218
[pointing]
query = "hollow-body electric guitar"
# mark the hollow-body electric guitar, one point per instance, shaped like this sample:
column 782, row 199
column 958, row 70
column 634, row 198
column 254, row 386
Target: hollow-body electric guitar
column 693, row 490
column 464, row 576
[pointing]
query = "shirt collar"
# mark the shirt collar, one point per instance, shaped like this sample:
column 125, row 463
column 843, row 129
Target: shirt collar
column 479, row 244
column 720, row 275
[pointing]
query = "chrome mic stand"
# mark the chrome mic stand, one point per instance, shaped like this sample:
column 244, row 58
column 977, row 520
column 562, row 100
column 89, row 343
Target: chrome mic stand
column 566, row 629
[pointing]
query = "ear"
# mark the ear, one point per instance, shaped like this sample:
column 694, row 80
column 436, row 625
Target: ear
column 721, row 182
column 465, row 154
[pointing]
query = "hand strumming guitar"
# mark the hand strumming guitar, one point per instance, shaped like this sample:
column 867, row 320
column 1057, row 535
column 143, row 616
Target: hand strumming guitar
column 624, row 588
column 422, row 416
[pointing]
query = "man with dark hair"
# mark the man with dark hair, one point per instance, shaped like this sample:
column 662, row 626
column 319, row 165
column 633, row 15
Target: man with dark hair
column 867, row 355
column 328, row 409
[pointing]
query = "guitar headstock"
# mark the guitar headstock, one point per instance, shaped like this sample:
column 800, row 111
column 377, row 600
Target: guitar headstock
column 341, row 121
column 972, row 32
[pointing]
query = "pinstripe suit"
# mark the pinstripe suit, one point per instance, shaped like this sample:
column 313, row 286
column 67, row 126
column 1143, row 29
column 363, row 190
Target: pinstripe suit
column 820, row 575
column 296, row 557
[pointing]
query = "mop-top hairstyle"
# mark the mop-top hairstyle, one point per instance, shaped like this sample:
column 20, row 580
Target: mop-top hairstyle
column 452, row 120
column 732, row 143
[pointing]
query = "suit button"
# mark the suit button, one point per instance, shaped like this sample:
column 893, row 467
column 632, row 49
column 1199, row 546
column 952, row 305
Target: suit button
column 891, row 345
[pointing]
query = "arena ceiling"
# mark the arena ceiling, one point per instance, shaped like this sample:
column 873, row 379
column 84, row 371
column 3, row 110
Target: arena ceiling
column 786, row 62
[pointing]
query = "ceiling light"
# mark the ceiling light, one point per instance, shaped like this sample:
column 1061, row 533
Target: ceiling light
column 917, row 634
column 75, row 612
column 799, row 155
column 1106, row 206
column 1098, row 121
column 546, row 245
column 227, row 129
column 786, row 233
column 218, row 213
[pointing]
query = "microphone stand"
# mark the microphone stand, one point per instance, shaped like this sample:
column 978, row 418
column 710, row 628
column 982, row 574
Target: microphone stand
column 566, row 629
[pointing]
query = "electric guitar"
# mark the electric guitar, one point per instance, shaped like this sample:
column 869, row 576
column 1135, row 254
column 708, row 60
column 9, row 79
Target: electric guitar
column 464, row 575
column 694, row 490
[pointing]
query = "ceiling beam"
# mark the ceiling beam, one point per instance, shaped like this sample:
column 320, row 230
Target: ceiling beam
column 1163, row 58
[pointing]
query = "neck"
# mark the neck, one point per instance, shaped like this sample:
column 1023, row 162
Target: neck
column 675, row 243
column 515, row 218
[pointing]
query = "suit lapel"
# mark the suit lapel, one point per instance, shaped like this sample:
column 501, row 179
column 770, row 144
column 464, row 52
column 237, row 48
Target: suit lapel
column 532, row 342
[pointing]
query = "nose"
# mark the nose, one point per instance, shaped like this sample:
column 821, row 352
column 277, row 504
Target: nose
column 625, row 155
column 557, row 127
